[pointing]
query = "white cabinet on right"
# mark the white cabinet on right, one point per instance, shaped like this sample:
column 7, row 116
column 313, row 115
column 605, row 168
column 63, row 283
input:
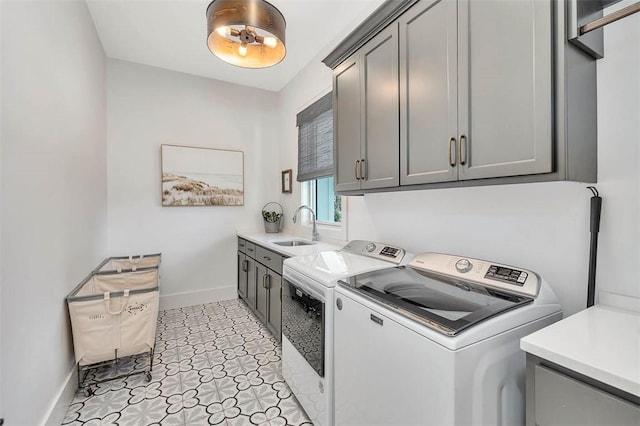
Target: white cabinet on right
column 476, row 88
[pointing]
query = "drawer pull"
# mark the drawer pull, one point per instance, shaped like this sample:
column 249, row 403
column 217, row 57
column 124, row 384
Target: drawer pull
column 376, row 319
column 267, row 258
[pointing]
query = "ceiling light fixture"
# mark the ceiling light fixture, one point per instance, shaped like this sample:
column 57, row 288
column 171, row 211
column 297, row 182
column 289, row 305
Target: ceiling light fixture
column 246, row 33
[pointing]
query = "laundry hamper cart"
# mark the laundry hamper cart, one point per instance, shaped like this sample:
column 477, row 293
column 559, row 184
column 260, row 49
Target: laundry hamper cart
column 130, row 263
column 113, row 315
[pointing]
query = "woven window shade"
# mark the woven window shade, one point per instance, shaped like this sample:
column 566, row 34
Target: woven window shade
column 315, row 140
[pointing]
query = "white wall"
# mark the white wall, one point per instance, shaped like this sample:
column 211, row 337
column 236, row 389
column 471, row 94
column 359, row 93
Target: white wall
column 53, row 193
column 544, row 226
column 619, row 155
column 148, row 107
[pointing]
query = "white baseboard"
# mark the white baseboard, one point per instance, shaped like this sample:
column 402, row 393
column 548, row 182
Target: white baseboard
column 60, row 404
column 190, row 298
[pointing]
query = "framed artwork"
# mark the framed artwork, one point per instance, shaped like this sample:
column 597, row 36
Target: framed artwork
column 194, row 176
column 286, row 181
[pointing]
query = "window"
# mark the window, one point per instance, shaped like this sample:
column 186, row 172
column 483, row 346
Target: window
column 324, row 202
column 315, row 161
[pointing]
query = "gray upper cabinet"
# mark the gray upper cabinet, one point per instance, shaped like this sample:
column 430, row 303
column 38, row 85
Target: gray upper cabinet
column 489, row 92
column 504, row 88
column 476, row 83
column 347, row 128
column 366, row 128
column 428, row 93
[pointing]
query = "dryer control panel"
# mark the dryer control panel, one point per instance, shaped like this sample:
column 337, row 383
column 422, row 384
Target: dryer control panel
column 376, row 250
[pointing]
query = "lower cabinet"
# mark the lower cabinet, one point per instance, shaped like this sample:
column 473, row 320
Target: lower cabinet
column 262, row 292
column 260, row 283
column 558, row 398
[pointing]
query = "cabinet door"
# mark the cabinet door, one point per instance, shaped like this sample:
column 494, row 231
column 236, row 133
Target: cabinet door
column 251, row 283
column 505, row 89
column 274, row 319
column 261, row 292
column 380, row 101
column 347, row 124
column 243, row 269
column 428, row 92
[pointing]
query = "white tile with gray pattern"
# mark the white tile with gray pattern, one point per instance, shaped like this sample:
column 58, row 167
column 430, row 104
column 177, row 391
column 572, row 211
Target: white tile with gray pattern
column 213, row 364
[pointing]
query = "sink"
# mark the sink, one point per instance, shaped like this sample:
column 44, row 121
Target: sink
column 292, row 243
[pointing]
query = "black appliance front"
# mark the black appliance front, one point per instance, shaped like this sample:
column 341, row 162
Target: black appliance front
column 303, row 323
column 445, row 304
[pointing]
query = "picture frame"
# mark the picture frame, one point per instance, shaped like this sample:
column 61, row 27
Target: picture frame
column 286, row 181
column 198, row 176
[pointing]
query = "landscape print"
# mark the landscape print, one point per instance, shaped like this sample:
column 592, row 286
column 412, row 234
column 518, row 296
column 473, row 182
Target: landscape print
column 202, row 176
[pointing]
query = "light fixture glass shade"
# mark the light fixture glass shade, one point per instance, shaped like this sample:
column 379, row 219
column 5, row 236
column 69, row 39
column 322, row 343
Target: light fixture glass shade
column 246, row 33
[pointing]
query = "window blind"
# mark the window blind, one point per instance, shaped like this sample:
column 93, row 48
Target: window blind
column 315, row 140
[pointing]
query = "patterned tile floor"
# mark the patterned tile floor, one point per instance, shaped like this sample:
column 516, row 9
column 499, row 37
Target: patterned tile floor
column 213, row 364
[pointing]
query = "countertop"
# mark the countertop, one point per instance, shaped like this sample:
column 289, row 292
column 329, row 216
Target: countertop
column 267, row 240
column 602, row 342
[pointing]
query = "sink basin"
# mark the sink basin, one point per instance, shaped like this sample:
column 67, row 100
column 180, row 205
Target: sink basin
column 292, row 243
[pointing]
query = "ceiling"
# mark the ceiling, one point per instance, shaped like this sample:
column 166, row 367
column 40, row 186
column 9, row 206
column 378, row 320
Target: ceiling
column 172, row 34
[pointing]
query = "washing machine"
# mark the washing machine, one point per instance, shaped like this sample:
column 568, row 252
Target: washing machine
column 436, row 342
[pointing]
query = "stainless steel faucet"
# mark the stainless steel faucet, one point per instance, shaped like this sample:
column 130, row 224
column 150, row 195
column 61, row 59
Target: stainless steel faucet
column 314, row 232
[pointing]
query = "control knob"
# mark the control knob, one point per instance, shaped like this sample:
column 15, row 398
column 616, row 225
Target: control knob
column 463, row 265
column 370, row 247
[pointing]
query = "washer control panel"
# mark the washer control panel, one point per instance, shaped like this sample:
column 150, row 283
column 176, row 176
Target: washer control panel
column 463, row 265
column 508, row 275
column 466, row 270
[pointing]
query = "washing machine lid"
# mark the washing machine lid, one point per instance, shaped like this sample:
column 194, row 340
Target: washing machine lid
column 328, row 267
column 448, row 305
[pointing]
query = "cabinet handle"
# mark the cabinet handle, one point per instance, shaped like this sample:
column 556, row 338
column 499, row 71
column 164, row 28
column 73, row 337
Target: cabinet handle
column 268, row 281
column 463, row 141
column 245, row 266
column 452, row 160
column 267, row 258
column 363, row 170
column 356, row 169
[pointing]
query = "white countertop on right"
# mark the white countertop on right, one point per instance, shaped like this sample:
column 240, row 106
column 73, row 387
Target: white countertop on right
column 601, row 342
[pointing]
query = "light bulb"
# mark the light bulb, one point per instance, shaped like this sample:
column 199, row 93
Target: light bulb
column 242, row 50
column 223, row 31
column 270, row 41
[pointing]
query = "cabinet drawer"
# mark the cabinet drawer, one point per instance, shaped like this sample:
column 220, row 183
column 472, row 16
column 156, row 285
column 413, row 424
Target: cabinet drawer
column 242, row 245
column 269, row 259
column 562, row 400
column 250, row 249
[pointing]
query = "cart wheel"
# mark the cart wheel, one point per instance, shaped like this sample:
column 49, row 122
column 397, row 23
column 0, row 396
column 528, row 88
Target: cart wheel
column 148, row 376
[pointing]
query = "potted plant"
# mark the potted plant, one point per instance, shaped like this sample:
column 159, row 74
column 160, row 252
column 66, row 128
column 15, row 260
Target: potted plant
column 272, row 217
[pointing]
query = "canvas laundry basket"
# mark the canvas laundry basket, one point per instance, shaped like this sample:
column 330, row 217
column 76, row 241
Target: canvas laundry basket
column 114, row 315
column 130, row 263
